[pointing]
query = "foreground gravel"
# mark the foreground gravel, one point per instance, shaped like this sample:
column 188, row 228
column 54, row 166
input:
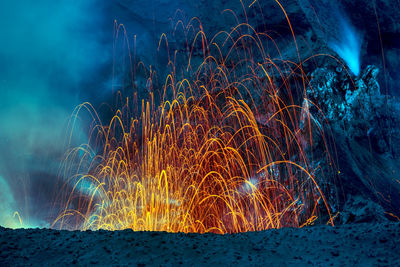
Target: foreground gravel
column 347, row 245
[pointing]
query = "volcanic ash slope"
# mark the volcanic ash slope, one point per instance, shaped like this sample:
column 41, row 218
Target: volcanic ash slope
column 345, row 245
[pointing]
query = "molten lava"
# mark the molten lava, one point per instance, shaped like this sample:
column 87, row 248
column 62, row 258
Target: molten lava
column 223, row 150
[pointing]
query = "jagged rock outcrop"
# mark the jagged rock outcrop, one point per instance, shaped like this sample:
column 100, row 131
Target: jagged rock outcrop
column 366, row 129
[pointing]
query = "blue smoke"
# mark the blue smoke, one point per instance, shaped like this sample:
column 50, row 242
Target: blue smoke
column 48, row 49
column 348, row 44
column 331, row 24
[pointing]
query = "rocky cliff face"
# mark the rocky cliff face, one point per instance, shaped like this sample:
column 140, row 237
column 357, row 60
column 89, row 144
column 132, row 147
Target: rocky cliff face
column 315, row 24
column 365, row 124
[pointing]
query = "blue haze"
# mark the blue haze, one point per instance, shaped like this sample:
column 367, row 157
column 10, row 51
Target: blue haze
column 48, row 50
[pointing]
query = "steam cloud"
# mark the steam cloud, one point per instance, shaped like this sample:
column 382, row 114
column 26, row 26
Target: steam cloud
column 348, row 45
column 331, row 24
column 48, row 50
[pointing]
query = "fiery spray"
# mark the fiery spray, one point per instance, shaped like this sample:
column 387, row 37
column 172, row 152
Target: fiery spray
column 224, row 149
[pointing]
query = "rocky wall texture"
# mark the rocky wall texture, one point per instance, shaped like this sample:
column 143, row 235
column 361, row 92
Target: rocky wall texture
column 365, row 125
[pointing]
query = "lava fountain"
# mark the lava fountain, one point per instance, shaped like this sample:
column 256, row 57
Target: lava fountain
column 223, row 147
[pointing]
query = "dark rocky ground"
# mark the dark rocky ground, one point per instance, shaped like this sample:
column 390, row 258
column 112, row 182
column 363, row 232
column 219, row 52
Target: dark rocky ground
column 346, row 245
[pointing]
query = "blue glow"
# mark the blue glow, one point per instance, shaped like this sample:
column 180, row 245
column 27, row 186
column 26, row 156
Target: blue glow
column 348, row 45
column 47, row 50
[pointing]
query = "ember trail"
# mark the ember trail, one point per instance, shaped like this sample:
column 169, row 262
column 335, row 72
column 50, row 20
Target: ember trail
column 223, row 146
